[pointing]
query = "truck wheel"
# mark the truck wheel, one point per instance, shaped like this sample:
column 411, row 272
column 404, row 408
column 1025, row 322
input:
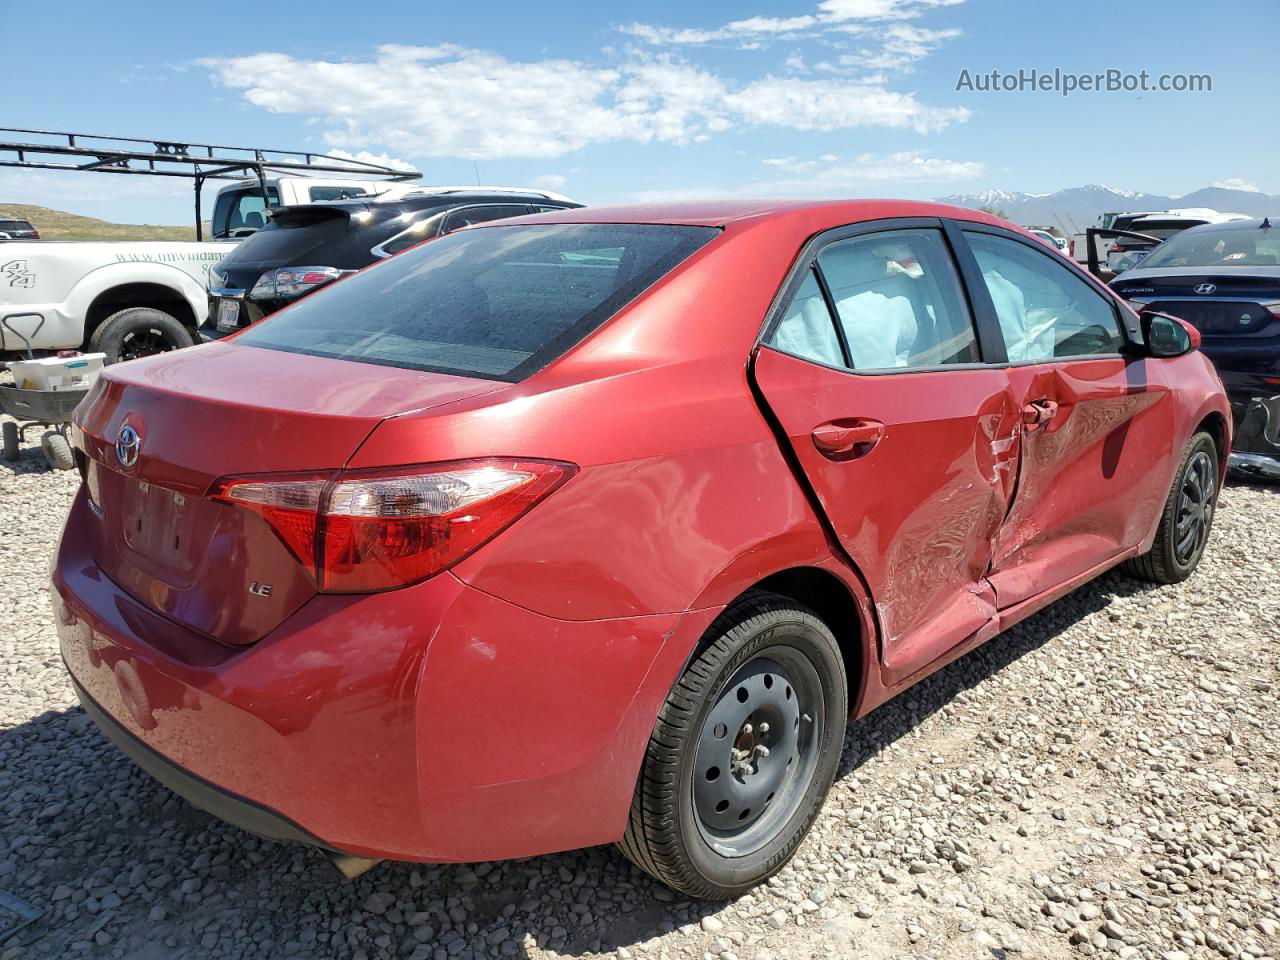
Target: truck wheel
column 743, row 752
column 10, row 440
column 57, row 451
column 138, row 332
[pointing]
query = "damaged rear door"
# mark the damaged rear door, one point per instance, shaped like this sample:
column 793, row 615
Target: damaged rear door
column 872, row 368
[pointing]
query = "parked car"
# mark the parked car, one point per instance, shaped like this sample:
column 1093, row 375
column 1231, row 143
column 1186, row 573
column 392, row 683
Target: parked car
column 597, row 526
column 302, row 248
column 1125, row 253
column 132, row 298
column 1224, row 279
column 12, row 229
column 1049, row 239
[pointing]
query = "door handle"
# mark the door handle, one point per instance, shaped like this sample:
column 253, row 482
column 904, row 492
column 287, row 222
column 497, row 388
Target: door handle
column 847, row 439
column 1039, row 412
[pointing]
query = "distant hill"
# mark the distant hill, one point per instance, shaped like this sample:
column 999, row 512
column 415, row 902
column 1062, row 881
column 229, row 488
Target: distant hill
column 1075, row 208
column 59, row 225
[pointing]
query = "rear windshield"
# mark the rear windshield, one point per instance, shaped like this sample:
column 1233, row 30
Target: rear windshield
column 1232, row 247
column 289, row 238
column 494, row 302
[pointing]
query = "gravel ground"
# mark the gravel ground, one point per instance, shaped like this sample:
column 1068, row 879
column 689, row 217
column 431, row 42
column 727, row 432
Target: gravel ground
column 1100, row 781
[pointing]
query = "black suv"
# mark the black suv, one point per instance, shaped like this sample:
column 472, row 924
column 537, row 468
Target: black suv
column 12, row 229
column 307, row 246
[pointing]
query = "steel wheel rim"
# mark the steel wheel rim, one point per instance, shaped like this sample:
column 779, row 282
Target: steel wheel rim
column 743, row 796
column 144, row 343
column 1194, row 511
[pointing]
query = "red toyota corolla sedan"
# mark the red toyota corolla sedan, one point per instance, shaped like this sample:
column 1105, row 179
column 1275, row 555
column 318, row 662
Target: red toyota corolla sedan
column 597, row 526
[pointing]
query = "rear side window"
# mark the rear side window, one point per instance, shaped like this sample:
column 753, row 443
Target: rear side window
column 806, row 330
column 1045, row 311
column 466, row 216
column 320, row 194
column 898, row 303
column 240, row 212
column 497, row 303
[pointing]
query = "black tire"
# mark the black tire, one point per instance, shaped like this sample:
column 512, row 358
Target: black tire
column 57, row 451
column 138, row 332
column 11, row 446
column 752, row 657
column 1188, row 512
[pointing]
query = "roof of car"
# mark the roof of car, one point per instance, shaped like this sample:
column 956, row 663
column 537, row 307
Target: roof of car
column 722, row 212
column 1251, row 224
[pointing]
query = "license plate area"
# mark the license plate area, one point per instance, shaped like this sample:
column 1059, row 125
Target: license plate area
column 228, row 315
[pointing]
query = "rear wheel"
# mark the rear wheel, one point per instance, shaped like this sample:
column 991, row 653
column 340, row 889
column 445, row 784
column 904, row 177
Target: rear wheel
column 1187, row 517
column 138, row 332
column 743, row 752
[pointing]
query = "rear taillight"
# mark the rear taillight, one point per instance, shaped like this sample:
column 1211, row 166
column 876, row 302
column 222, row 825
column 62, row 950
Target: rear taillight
column 1272, row 308
column 289, row 282
column 358, row 532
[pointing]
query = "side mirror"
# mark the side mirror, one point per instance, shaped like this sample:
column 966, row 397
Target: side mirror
column 1167, row 336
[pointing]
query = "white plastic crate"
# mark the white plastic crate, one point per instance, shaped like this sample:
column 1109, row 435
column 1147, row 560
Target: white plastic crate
column 57, row 373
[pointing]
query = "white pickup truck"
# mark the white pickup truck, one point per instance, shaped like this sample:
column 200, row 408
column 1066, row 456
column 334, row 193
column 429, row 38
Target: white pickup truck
column 127, row 299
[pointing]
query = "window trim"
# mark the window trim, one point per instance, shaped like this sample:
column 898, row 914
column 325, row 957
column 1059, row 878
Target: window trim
column 1126, row 324
column 808, row 259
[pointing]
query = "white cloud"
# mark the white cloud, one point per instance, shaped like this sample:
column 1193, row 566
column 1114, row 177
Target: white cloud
column 831, row 175
column 830, row 172
column 382, row 159
column 831, row 15
column 452, row 101
column 1235, row 183
column 549, row 181
column 898, row 47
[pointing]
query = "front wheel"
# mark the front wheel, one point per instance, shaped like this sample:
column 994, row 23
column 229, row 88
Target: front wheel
column 1186, row 519
column 743, row 752
column 138, row 332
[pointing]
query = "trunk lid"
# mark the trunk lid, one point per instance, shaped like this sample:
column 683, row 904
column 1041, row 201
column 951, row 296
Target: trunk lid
column 216, row 411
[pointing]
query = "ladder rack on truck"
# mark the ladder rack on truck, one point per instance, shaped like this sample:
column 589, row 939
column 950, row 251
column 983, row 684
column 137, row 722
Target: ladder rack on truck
column 85, row 152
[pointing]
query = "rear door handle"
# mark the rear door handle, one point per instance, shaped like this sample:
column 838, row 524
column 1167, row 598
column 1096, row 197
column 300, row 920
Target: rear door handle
column 847, row 439
column 1039, row 412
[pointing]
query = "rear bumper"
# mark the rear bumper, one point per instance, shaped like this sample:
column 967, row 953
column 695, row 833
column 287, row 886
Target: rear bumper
column 234, row 809
column 434, row 723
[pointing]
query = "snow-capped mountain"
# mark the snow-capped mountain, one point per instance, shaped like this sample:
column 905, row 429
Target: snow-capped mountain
column 1075, row 208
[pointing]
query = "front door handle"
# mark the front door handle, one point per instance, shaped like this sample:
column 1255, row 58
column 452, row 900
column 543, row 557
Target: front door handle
column 847, row 439
column 1039, row 412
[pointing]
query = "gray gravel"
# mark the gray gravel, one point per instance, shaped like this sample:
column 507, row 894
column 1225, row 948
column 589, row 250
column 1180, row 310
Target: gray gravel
column 1100, row 781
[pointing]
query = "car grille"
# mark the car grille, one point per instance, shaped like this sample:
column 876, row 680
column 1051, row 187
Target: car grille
column 1223, row 317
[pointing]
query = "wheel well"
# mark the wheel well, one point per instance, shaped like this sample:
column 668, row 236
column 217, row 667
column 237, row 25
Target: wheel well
column 1216, row 426
column 126, row 295
column 830, row 599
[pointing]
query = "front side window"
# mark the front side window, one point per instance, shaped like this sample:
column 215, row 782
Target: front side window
column 498, row 303
column 898, row 300
column 1045, row 311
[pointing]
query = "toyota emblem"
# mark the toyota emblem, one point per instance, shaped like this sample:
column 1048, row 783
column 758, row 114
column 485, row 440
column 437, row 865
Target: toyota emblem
column 1205, row 288
column 128, row 443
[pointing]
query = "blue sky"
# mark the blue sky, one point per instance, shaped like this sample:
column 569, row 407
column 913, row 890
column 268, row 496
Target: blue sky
column 624, row 101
